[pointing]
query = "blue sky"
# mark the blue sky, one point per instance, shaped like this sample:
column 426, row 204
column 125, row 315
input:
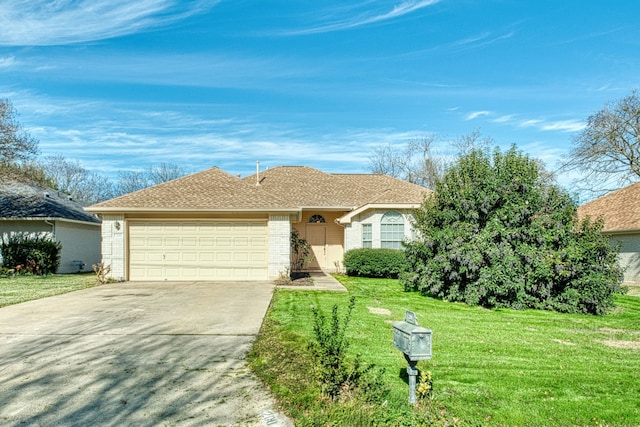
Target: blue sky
column 121, row 84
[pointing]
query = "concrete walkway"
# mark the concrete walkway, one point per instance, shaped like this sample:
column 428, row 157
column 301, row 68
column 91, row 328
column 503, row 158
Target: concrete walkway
column 321, row 281
column 138, row 354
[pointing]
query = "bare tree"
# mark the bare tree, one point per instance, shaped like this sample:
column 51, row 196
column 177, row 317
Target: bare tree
column 465, row 144
column 130, row 181
column 414, row 162
column 607, row 152
column 418, row 162
column 71, row 177
column 16, row 145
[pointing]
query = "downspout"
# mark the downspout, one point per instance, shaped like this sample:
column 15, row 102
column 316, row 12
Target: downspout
column 53, row 227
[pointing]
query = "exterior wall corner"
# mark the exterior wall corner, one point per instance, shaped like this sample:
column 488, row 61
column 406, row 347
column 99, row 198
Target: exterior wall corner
column 279, row 245
column 113, row 245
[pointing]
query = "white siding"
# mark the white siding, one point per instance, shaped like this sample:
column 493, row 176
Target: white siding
column 79, row 242
column 629, row 255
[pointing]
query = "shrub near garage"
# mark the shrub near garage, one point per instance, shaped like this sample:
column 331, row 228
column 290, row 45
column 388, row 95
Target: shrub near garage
column 376, row 263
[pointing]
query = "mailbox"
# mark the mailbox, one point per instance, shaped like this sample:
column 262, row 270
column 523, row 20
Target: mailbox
column 411, row 339
column 415, row 342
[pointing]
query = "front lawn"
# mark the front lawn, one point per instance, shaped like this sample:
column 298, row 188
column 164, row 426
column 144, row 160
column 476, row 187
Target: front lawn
column 490, row 367
column 17, row 289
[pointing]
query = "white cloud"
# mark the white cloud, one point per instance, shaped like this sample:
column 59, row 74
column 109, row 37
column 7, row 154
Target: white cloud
column 7, row 61
column 565, row 126
column 474, row 115
column 46, row 22
column 503, row 119
column 529, row 123
column 335, row 22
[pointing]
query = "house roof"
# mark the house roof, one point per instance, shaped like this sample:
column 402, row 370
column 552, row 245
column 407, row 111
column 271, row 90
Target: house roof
column 19, row 200
column 620, row 209
column 211, row 189
column 281, row 188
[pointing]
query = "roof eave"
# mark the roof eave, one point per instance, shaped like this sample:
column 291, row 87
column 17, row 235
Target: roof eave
column 346, row 219
column 627, row 231
column 103, row 210
column 35, row 218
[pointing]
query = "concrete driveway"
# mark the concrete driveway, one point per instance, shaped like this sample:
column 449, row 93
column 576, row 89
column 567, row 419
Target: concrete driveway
column 137, row 354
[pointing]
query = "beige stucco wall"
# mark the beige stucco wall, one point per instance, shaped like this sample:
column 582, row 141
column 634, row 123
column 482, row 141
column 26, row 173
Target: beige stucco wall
column 326, row 239
column 353, row 231
column 629, row 255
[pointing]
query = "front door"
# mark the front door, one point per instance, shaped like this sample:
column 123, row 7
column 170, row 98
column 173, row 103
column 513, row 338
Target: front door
column 316, row 235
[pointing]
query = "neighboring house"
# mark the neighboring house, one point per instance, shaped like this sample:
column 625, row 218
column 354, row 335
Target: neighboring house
column 31, row 209
column 215, row 226
column 621, row 213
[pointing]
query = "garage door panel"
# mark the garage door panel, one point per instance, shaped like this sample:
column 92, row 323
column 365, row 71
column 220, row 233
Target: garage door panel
column 198, row 251
column 206, row 256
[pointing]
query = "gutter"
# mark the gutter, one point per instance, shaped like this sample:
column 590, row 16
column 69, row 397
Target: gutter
column 53, row 227
column 175, row 210
column 47, row 219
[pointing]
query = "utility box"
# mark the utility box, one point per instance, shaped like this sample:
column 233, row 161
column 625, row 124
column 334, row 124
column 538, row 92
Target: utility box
column 411, row 339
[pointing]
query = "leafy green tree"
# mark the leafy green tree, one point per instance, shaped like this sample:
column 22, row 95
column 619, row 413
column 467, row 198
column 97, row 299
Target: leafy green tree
column 499, row 233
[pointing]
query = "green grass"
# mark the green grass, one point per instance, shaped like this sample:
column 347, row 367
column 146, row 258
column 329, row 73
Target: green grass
column 490, row 367
column 17, row 289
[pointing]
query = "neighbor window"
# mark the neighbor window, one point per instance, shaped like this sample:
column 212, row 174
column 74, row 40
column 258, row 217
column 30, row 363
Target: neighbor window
column 391, row 230
column 367, row 236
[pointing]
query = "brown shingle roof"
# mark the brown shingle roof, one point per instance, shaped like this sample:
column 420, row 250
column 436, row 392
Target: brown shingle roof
column 305, row 186
column 207, row 190
column 283, row 187
column 620, row 209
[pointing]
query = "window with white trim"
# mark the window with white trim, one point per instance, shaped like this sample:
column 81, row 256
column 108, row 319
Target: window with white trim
column 367, row 236
column 392, row 230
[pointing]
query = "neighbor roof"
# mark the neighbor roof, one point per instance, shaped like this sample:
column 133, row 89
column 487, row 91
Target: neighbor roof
column 279, row 188
column 620, row 209
column 19, row 200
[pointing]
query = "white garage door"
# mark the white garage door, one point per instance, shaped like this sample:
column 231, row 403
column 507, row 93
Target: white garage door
column 198, row 250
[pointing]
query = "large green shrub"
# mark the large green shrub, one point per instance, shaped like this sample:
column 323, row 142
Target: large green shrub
column 31, row 254
column 378, row 263
column 498, row 233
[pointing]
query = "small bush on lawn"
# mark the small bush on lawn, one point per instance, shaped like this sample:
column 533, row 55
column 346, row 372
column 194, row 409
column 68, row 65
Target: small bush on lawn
column 30, row 254
column 376, row 263
column 339, row 375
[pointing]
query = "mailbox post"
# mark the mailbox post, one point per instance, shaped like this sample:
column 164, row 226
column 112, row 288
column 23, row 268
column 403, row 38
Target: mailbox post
column 415, row 342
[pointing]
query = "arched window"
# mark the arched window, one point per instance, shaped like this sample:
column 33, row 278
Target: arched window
column 316, row 219
column 391, row 230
